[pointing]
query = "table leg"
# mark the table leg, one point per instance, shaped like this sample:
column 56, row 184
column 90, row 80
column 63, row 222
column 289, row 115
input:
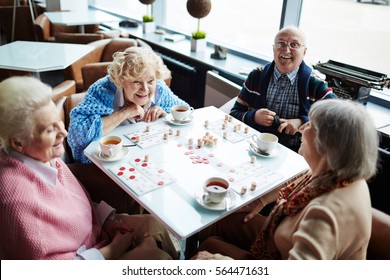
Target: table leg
column 37, row 75
column 81, row 28
column 188, row 246
column 182, row 243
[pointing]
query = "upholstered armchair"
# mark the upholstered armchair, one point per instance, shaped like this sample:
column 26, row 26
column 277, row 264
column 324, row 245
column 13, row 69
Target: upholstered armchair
column 65, row 88
column 45, row 31
column 103, row 52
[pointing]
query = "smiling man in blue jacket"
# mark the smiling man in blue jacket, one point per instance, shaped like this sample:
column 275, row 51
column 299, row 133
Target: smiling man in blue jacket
column 277, row 98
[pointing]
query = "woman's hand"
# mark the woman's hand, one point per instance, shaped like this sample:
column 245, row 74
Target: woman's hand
column 154, row 113
column 252, row 209
column 289, row 126
column 204, row 255
column 112, row 226
column 121, row 242
column 133, row 111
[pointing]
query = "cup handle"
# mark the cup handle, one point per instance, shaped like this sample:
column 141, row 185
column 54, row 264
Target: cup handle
column 206, row 198
column 254, row 138
column 111, row 151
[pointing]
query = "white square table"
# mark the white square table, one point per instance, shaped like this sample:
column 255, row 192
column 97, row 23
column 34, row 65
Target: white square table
column 37, row 57
column 80, row 18
column 175, row 204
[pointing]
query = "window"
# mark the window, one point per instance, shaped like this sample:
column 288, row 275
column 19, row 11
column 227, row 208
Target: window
column 342, row 30
column 127, row 8
column 249, row 25
column 349, row 32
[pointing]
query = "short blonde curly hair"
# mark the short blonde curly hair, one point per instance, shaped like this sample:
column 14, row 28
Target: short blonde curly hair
column 133, row 62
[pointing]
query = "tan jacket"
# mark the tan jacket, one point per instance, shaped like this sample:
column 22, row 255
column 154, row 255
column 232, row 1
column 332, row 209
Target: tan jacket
column 336, row 225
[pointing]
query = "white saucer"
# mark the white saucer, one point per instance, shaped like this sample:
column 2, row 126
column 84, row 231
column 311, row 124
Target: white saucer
column 230, row 198
column 170, row 119
column 277, row 151
column 100, row 156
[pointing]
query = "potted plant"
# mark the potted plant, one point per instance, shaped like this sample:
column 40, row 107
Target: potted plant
column 148, row 24
column 198, row 9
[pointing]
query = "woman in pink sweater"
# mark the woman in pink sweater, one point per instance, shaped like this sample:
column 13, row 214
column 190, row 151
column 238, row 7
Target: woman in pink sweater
column 44, row 211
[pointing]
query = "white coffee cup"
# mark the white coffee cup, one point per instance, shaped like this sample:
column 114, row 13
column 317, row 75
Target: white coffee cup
column 181, row 112
column 215, row 190
column 266, row 142
column 111, row 146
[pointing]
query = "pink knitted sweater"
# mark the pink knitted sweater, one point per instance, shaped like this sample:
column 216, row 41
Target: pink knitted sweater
column 40, row 222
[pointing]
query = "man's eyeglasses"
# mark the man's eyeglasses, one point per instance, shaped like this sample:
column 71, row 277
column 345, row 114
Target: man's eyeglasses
column 291, row 45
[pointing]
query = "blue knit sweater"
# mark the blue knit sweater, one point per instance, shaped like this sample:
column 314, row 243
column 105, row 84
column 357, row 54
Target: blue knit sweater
column 86, row 123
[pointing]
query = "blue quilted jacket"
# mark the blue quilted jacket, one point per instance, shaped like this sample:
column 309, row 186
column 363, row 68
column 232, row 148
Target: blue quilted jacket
column 86, row 123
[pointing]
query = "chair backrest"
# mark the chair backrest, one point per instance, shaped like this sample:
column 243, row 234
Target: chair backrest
column 73, row 72
column 116, row 45
column 93, row 72
column 70, row 102
column 228, row 105
column 59, row 96
column 66, row 88
column 219, row 91
column 379, row 246
column 42, row 28
column 77, row 38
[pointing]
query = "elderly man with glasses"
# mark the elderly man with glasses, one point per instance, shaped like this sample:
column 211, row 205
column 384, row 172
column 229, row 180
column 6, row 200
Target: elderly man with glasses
column 277, row 98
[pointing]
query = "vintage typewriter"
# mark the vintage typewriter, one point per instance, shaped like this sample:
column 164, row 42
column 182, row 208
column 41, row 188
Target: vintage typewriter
column 350, row 82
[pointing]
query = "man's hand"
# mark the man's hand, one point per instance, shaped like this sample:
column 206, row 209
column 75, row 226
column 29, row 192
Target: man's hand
column 264, row 117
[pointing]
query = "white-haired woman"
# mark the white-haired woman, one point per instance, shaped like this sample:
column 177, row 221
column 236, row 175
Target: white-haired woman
column 325, row 214
column 44, row 211
column 132, row 91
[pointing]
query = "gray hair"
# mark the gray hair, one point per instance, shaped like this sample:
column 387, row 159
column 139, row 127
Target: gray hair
column 134, row 62
column 347, row 136
column 20, row 97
